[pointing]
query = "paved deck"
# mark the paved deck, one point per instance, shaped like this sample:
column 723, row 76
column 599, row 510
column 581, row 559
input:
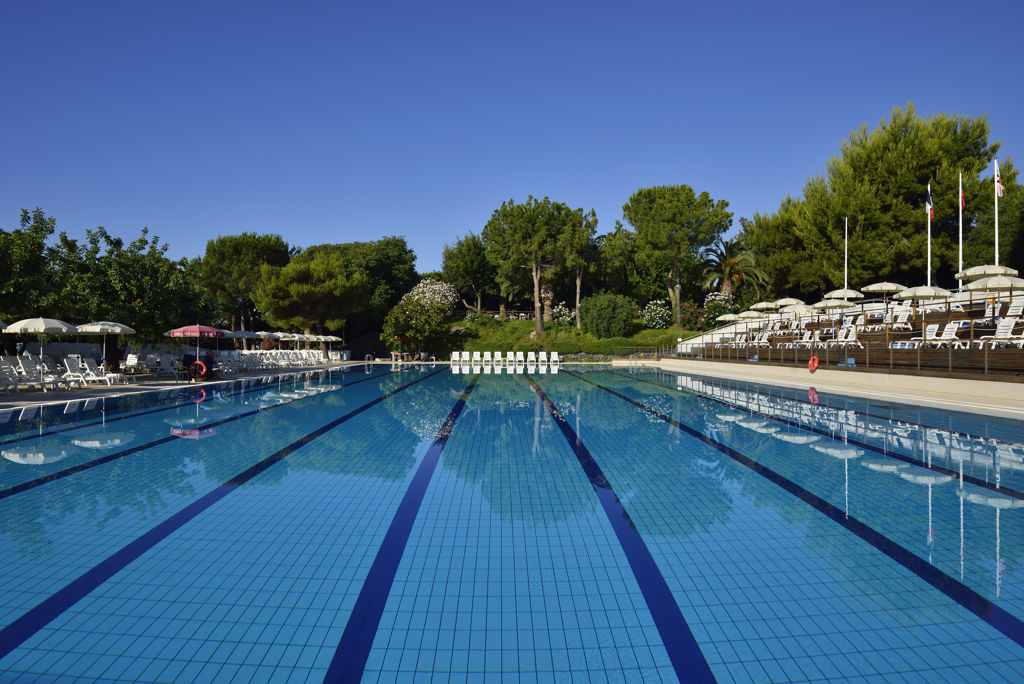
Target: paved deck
column 986, row 397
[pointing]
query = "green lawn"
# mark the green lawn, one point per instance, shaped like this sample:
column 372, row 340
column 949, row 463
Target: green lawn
column 494, row 335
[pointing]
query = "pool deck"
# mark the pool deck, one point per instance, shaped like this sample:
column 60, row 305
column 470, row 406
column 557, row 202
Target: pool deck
column 139, row 384
column 991, row 398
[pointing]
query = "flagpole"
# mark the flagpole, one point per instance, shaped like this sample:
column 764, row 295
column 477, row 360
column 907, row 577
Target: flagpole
column 846, row 249
column 995, row 191
column 960, row 241
column 928, row 266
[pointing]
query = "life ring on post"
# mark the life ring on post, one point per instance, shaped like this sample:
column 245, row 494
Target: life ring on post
column 198, row 369
column 812, row 364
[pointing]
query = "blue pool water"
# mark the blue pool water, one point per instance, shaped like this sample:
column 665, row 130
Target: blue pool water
column 591, row 524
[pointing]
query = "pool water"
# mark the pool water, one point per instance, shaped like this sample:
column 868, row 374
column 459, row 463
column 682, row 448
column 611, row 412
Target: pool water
column 604, row 524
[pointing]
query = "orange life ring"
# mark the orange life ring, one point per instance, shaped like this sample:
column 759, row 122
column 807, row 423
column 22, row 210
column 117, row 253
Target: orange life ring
column 812, row 395
column 201, row 372
column 812, row 364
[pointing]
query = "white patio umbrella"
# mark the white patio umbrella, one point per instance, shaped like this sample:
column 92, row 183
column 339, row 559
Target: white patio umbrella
column 832, row 304
column 40, row 327
column 975, row 272
column 844, row 293
column 727, row 318
column 105, row 328
column 750, row 315
column 764, row 306
column 997, row 283
column 923, row 292
column 789, row 301
column 797, row 309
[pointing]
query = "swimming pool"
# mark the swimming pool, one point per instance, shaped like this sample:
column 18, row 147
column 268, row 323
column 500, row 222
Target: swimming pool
column 589, row 524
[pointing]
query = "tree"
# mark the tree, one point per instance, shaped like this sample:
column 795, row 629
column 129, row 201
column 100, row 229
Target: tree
column 879, row 181
column 616, row 253
column 579, row 249
column 979, row 243
column 728, row 265
column 465, row 267
column 673, row 223
column 390, row 269
column 526, row 236
column 317, row 290
column 423, row 315
column 23, row 264
column 231, row 271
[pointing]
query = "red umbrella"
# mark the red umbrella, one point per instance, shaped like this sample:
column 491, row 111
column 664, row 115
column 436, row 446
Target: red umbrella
column 195, row 331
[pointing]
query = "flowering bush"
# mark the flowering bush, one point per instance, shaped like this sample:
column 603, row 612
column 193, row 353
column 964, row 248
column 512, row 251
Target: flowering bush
column 562, row 314
column 422, row 315
column 693, row 317
column 656, row 315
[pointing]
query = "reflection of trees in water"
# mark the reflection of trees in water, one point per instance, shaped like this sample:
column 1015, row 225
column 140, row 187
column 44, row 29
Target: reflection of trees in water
column 138, row 483
column 505, row 444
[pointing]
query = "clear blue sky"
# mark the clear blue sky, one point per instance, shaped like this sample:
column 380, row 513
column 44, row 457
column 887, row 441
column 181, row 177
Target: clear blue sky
column 341, row 121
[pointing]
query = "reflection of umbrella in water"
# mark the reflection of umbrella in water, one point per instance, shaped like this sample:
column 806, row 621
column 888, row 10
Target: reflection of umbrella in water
column 37, row 452
column 998, row 501
column 103, row 440
column 845, row 452
column 796, row 437
column 730, row 417
column 930, row 478
column 193, row 433
column 766, row 429
column 751, row 423
column 883, row 465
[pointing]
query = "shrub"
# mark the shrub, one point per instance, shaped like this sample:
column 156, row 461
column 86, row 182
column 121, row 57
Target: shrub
column 656, row 315
column 562, row 314
column 608, row 315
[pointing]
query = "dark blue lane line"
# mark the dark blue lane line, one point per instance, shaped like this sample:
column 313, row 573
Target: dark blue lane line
column 980, row 482
column 350, row 657
column 158, row 409
column 61, row 474
column 15, row 634
column 683, row 649
column 1009, row 625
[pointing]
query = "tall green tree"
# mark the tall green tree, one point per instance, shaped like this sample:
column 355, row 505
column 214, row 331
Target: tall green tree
column 979, row 245
column 879, row 181
column 231, row 271
column 673, row 223
column 526, row 236
column 389, row 266
column 23, row 265
column 465, row 266
column 317, row 290
column 579, row 250
column 728, row 265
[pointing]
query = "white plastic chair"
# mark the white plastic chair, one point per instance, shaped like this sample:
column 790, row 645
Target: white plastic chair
column 554, row 358
column 498, row 361
column 542, row 358
column 531, row 358
column 487, row 359
column 520, row 359
column 476, row 358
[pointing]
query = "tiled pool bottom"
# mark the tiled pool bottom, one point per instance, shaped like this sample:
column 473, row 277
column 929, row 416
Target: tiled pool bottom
column 586, row 525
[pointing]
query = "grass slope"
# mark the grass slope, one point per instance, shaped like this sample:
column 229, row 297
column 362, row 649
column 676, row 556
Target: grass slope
column 494, row 335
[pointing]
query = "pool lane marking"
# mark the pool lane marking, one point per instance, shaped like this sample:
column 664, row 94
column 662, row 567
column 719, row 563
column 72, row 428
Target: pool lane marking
column 61, row 474
column 70, row 428
column 683, row 650
column 973, row 479
column 16, row 633
column 353, row 649
column 1009, row 625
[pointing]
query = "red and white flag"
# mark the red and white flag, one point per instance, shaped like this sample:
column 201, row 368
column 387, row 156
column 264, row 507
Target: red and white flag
column 928, row 205
column 963, row 202
column 999, row 181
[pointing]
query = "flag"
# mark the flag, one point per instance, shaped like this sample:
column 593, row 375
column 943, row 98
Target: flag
column 963, row 202
column 928, row 205
column 999, row 181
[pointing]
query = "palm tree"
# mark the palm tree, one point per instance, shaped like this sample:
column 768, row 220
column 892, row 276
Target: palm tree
column 729, row 264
